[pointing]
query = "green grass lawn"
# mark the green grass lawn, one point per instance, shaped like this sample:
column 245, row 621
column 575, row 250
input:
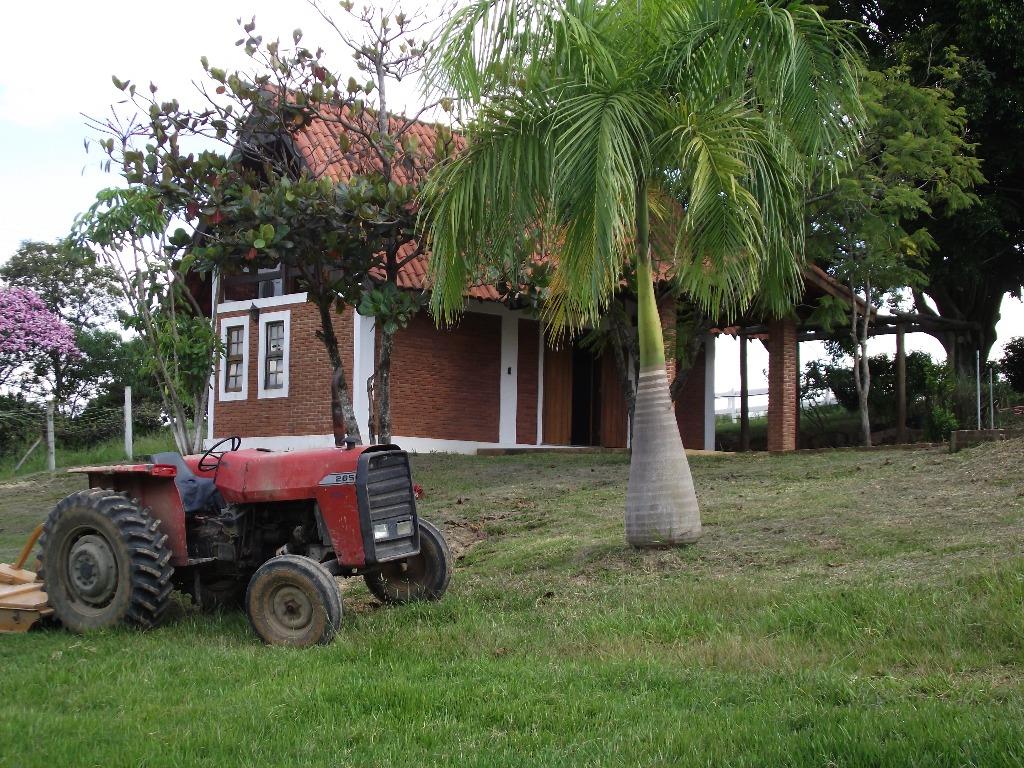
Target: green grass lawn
column 842, row 609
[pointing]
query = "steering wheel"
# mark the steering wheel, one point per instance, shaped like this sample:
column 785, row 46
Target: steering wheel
column 214, row 455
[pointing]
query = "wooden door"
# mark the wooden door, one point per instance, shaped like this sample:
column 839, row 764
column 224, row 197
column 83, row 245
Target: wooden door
column 557, row 396
column 613, row 405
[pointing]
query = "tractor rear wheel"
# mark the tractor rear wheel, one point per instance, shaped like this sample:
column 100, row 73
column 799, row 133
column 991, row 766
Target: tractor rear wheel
column 294, row 601
column 104, row 561
column 422, row 577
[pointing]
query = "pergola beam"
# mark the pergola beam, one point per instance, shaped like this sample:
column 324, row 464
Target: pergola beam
column 884, row 325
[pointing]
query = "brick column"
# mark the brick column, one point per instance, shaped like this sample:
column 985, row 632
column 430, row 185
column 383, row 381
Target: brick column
column 783, row 385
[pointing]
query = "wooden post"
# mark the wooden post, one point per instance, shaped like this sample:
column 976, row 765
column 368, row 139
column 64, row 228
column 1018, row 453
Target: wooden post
column 744, row 397
column 128, row 446
column 28, row 453
column 799, row 400
column 51, row 448
column 901, row 386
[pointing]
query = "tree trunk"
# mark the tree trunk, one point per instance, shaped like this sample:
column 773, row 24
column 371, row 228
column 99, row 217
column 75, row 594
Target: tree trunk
column 864, row 386
column 343, row 415
column 179, row 425
column 200, row 419
column 382, row 387
column 661, row 503
column 978, row 301
column 901, row 385
column 859, row 328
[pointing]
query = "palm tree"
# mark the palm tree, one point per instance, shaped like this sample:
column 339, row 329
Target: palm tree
column 598, row 117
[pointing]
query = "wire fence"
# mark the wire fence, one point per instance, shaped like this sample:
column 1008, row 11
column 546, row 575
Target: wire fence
column 24, row 429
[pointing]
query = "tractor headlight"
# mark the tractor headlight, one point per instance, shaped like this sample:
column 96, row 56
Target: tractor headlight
column 380, row 531
column 404, row 528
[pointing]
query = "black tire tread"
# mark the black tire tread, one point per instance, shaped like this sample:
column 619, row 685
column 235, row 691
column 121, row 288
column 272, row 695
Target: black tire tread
column 150, row 556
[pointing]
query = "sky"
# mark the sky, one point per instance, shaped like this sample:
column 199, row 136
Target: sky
column 56, row 62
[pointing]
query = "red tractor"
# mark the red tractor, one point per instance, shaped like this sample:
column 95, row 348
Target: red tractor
column 270, row 530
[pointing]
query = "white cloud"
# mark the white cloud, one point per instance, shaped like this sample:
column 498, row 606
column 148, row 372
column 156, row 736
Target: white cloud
column 56, row 62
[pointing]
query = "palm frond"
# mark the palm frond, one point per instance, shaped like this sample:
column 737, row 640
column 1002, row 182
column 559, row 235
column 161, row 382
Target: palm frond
column 729, row 105
column 478, row 206
column 494, row 48
column 600, row 138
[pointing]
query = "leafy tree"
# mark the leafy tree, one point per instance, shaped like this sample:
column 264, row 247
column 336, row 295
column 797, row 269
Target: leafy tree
column 130, row 367
column 820, row 377
column 1012, row 363
column 978, row 256
column 255, row 114
column 128, row 228
column 316, row 229
column 932, row 391
column 67, row 279
column 869, row 228
column 587, row 114
column 387, row 154
column 29, row 332
column 82, row 293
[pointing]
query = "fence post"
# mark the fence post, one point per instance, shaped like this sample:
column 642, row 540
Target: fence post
column 128, row 422
column 901, row 385
column 977, row 374
column 991, row 398
column 51, row 448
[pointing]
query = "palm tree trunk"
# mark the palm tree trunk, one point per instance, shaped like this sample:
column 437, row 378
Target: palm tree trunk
column 661, row 503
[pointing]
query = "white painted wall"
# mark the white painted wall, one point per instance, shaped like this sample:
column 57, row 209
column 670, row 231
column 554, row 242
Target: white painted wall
column 265, row 303
column 508, row 390
column 364, row 341
column 709, row 393
column 411, row 444
column 509, row 394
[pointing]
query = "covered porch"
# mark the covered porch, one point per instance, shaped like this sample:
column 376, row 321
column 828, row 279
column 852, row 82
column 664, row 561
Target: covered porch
column 782, row 337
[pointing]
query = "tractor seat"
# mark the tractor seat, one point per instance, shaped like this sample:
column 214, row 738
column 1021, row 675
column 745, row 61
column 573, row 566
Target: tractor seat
column 198, row 494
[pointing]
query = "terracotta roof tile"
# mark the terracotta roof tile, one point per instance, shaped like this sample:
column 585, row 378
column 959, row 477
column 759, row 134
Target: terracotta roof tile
column 320, row 145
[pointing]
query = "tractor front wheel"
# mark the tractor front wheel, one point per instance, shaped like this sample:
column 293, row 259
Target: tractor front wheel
column 104, row 561
column 422, row 577
column 294, row 601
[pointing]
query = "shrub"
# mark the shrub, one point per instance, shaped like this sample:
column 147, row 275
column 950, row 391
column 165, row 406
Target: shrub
column 1012, row 363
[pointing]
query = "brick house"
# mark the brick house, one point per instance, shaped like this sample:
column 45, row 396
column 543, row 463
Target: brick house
column 491, row 381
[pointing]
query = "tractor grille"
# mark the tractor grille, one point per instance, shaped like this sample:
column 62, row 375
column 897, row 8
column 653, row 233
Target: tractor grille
column 389, row 486
column 391, row 530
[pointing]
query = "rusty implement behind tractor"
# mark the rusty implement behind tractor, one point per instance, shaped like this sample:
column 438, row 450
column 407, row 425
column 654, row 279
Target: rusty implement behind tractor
column 22, row 599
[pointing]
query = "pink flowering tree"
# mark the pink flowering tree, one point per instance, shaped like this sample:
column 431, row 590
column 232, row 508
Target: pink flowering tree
column 29, row 332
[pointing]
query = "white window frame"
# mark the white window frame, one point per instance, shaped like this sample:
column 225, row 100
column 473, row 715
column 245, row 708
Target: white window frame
column 226, row 323
column 265, row 318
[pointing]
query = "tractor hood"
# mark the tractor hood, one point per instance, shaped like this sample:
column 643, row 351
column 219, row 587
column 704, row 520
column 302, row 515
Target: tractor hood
column 257, row 475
